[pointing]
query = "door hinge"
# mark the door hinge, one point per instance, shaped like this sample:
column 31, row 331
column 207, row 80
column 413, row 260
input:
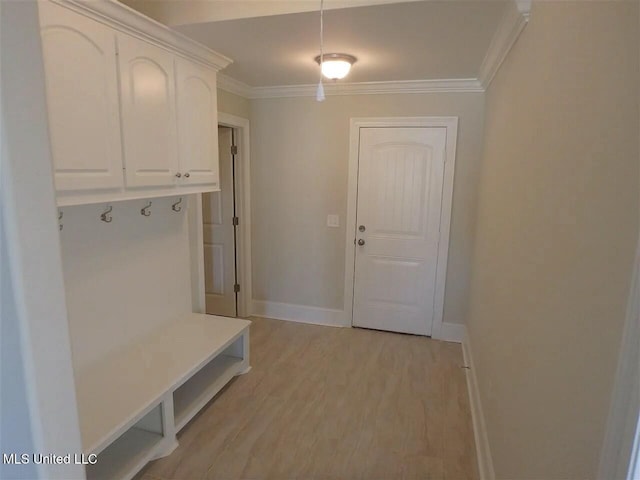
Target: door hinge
column 236, row 288
column 234, row 149
column 236, row 221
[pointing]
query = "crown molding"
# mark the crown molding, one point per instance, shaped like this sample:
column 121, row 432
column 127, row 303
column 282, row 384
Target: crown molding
column 234, row 86
column 515, row 18
column 524, row 7
column 456, row 85
column 127, row 20
column 371, row 88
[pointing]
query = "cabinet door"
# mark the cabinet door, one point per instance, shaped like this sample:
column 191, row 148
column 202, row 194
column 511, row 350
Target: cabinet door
column 197, row 123
column 82, row 98
column 147, row 85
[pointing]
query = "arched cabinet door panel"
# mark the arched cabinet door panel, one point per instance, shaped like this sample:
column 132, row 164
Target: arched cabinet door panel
column 197, row 123
column 148, row 100
column 82, row 97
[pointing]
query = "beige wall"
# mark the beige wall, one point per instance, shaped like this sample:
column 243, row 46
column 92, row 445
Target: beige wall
column 233, row 104
column 299, row 163
column 556, row 232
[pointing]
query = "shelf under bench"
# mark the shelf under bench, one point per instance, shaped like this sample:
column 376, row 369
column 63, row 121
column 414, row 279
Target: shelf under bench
column 177, row 369
column 128, row 454
column 199, row 389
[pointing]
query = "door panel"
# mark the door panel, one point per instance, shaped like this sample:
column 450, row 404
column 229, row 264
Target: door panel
column 219, row 237
column 400, row 181
column 82, row 100
column 198, row 120
column 214, row 273
column 148, row 113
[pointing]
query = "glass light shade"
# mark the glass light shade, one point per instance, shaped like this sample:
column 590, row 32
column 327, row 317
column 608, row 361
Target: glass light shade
column 335, row 69
column 336, row 65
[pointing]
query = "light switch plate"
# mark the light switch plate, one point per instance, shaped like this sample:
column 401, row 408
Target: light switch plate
column 333, row 220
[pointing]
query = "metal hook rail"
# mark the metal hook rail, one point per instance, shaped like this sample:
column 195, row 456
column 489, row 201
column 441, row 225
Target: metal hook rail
column 176, row 206
column 144, row 211
column 106, row 215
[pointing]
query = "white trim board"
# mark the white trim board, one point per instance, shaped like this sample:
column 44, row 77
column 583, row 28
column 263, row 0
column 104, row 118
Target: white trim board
column 234, row 86
column 196, row 252
column 619, row 454
column 515, row 18
column 48, row 418
column 454, row 85
column 438, row 331
column 298, row 313
column 451, row 332
column 483, row 450
column 243, row 207
column 330, row 317
column 243, row 169
column 125, row 19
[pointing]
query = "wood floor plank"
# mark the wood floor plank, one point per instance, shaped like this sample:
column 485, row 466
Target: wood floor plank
column 329, row 403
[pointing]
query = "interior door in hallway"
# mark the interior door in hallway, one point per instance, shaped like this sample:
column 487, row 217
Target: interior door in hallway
column 400, row 184
column 218, row 211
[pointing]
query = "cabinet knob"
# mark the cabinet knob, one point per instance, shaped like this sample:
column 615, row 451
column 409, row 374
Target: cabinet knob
column 187, row 175
column 178, row 174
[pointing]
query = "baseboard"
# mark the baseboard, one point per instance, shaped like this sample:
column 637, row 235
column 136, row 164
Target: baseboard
column 449, row 332
column 298, row 313
column 483, row 451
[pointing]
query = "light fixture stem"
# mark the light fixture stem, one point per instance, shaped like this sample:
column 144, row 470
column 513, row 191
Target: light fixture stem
column 320, row 91
column 321, row 36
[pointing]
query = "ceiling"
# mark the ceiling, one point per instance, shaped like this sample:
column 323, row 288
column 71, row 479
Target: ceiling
column 419, row 40
column 185, row 12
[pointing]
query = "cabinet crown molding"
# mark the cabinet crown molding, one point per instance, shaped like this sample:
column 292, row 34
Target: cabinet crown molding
column 125, row 19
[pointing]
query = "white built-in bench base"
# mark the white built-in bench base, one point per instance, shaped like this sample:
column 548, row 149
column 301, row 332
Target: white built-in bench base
column 132, row 404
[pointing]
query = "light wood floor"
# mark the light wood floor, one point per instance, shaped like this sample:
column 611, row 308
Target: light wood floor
column 332, row 403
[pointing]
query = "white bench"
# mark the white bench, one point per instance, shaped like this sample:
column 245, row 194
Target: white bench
column 132, row 404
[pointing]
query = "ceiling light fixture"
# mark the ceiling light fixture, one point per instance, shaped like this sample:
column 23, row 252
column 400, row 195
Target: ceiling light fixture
column 335, row 66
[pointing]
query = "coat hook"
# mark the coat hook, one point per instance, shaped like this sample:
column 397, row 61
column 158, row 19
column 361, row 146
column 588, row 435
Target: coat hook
column 60, row 213
column 106, row 215
column 176, row 206
column 145, row 210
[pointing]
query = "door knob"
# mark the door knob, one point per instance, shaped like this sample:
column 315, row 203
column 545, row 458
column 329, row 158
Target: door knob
column 187, row 175
column 361, row 242
column 178, row 174
column 362, row 228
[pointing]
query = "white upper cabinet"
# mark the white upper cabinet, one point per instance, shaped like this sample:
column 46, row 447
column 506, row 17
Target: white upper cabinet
column 149, row 127
column 197, row 123
column 82, row 97
column 132, row 104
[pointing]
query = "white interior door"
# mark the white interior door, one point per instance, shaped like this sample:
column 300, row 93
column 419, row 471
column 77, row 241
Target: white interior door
column 400, row 184
column 219, row 236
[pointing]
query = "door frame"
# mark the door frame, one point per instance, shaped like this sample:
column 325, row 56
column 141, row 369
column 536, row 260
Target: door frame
column 243, row 232
column 451, row 126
